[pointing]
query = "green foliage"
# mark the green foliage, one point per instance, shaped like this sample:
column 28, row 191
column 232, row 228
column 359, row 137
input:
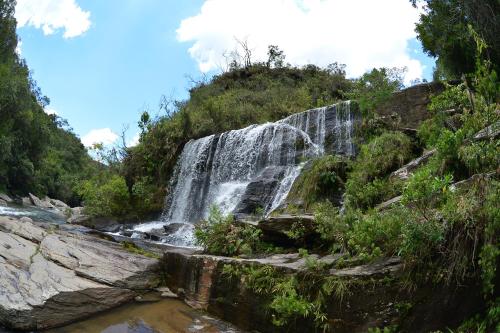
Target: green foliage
column 323, row 179
column 377, row 234
column 376, row 87
column 444, row 32
column 291, row 297
column 105, row 195
column 330, row 225
column 38, row 152
column 425, row 190
column 367, row 184
column 220, row 235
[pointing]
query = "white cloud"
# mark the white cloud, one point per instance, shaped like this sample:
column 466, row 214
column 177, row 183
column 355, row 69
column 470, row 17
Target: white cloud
column 18, row 47
column 360, row 33
column 52, row 15
column 134, row 141
column 103, row 135
column 50, row 111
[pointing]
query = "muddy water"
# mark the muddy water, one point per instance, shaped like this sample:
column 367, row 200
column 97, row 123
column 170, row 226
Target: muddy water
column 165, row 316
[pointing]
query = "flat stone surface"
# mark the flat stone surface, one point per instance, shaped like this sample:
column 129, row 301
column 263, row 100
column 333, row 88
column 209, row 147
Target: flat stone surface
column 49, row 277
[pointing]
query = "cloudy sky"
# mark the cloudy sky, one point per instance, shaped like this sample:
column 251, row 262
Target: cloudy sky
column 102, row 62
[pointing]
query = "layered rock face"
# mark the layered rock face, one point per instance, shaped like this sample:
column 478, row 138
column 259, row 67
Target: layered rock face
column 374, row 297
column 49, row 277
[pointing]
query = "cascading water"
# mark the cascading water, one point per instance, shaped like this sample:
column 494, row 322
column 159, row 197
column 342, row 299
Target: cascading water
column 223, row 169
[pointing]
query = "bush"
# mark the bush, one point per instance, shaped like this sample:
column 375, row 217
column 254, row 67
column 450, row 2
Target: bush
column 221, row 236
column 367, row 182
column 106, row 195
column 330, row 225
column 377, row 234
column 322, row 180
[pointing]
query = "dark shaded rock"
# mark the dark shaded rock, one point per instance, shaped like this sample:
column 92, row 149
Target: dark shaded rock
column 155, row 235
column 3, row 203
column 172, row 228
column 410, row 104
column 259, row 193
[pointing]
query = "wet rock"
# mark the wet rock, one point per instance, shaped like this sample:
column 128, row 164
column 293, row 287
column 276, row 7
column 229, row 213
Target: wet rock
column 50, row 277
column 172, row 228
column 3, row 203
column 155, row 235
column 259, row 193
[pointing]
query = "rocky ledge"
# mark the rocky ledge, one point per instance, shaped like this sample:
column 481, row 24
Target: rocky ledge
column 50, row 276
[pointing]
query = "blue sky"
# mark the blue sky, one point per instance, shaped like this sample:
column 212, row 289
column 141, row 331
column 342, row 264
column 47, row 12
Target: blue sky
column 102, row 62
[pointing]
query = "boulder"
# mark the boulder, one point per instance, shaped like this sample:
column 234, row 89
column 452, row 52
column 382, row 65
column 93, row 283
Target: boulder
column 172, row 228
column 6, row 198
column 26, row 201
column 275, row 229
column 50, row 277
column 78, row 216
column 259, row 193
column 57, row 204
column 35, row 201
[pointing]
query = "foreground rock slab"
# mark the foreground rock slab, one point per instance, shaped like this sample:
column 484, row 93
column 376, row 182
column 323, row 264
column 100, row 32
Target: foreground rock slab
column 50, row 277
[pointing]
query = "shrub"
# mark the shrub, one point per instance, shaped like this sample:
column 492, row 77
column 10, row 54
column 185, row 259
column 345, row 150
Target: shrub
column 105, row 195
column 221, row 236
column 425, row 191
column 322, row 180
column 367, row 183
column 377, row 234
column 331, row 226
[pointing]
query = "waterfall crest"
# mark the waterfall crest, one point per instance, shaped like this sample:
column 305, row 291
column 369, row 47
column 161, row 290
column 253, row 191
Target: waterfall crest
column 251, row 168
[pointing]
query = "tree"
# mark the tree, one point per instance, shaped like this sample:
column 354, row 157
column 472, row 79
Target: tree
column 276, row 57
column 444, row 32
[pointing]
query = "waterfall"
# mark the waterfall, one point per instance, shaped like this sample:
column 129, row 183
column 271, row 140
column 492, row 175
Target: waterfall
column 260, row 162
